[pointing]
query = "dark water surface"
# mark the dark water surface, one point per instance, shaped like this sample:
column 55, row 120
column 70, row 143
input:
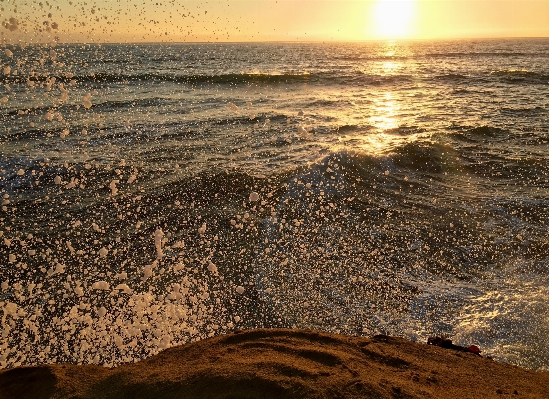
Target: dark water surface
column 158, row 194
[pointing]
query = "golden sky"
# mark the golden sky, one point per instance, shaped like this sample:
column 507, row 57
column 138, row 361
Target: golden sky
column 269, row 20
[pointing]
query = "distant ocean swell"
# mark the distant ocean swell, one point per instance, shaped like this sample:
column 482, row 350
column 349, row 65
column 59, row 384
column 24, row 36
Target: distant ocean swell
column 522, row 76
column 267, row 78
column 233, row 79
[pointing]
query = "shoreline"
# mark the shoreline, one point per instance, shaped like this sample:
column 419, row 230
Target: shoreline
column 274, row 363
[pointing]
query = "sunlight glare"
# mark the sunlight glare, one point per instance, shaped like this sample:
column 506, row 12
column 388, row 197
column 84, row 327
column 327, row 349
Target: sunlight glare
column 393, row 18
column 385, row 113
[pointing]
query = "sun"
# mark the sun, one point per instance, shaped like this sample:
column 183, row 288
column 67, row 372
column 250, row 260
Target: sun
column 393, row 18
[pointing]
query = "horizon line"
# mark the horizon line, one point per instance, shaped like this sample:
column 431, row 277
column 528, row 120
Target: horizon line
column 286, row 41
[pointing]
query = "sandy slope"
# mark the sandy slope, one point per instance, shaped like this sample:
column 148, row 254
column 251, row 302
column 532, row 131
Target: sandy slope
column 286, row 364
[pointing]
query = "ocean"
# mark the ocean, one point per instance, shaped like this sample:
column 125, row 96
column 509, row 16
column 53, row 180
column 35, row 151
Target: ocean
column 159, row 194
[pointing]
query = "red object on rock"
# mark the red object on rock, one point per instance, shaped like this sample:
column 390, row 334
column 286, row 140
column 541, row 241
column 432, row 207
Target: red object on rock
column 474, row 349
column 447, row 343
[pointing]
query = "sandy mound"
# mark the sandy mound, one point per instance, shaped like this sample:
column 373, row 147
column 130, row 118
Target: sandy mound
column 286, row 364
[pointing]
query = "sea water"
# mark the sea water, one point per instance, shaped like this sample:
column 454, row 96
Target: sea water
column 157, row 194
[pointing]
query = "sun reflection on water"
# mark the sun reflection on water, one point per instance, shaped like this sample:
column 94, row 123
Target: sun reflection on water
column 390, row 67
column 388, row 114
column 385, row 112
